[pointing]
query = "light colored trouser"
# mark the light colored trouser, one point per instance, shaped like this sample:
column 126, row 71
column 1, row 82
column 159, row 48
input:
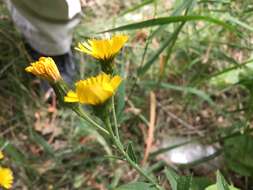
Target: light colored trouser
column 45, row 34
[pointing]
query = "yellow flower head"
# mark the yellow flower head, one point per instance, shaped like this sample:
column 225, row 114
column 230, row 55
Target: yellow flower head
column 104, row 49
column 6, row 178
column 45, row 68
column 94, row 90
column 1, row 155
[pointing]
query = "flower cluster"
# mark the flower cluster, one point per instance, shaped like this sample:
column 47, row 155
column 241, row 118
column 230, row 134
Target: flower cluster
column 94, row 90
column 6, row 176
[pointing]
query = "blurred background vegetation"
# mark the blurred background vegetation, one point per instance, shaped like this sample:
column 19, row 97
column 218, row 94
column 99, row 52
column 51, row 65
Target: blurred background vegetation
column 191, row 61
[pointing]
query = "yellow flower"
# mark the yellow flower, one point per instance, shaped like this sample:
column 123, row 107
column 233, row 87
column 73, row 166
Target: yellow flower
column 45, row 68
column 1, row 155
column 104, row 49
column 6, row 178
column 94, row 90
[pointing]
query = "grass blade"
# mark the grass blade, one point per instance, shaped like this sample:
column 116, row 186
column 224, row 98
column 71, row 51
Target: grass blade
column 184, row 89
column 136, row 7
column 167, row 43
column 240, row 23
column 168, row 20
column 172, row 177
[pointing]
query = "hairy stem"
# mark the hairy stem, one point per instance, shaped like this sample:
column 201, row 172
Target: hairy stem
column 120, row 147
column 115, row 119
column 86, row 117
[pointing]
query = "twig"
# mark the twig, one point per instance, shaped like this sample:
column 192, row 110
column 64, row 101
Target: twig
column 179, row 120
column 151, row 129
column 175, row 117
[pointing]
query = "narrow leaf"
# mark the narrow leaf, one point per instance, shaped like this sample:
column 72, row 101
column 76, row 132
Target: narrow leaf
column 172, row 177
column 130, row 151
column 184, row 183
column 184, row 89
column 221, row 182
column 168, row 20
column 170, row 40
column 42, row 142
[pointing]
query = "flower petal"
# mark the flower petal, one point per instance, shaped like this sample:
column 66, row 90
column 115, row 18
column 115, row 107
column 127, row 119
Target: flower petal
column 103, row 49
column 94, row 90
column 6, row 178
column 71, row 97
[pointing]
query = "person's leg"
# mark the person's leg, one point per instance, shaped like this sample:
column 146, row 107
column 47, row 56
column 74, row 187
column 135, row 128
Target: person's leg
column 47, row 27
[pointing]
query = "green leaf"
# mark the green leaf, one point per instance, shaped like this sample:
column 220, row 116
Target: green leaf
column 38, row 139
column 184, row 183
column 228, row 78
column 178, row 182
column 13, row 152
column 233, row 75
column 136, row 186
column 130, row 151
column 200, row 183
column 172, row 177
column 240, row 23
column 168, row 20
column 221, row 182
column 214, row 187
column 238, row 154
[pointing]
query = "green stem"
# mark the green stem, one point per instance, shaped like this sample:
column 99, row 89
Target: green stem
column 136, row 166
column 85, row 116
column 120, row 147
column 115, row 119
column 108, row 126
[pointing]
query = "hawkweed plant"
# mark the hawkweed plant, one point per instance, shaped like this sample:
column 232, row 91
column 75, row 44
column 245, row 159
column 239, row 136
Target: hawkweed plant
column 97, row 91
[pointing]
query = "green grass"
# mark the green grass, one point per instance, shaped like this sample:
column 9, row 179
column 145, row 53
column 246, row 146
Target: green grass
column 176, row 60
